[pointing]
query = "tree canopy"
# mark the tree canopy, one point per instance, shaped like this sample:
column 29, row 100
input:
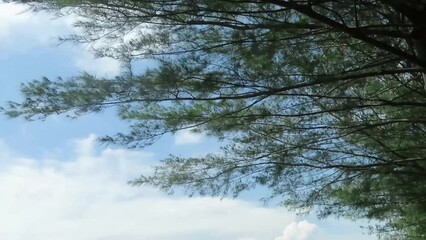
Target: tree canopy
column 321, row 101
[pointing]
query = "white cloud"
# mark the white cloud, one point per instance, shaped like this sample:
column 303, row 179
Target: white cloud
column 186, row 137
column 297, row 231
column 104, row 67
column 22, row 31
column 86, row 197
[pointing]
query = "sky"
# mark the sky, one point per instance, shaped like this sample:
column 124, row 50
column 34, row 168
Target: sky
column 57, row 183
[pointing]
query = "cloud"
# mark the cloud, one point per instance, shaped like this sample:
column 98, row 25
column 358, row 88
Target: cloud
column 297, row 231
column 86, row 196
column 22, row 31
column 187, row 137
column 104, row 67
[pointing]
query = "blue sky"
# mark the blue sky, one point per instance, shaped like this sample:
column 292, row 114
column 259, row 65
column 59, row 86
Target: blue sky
column 56, row 183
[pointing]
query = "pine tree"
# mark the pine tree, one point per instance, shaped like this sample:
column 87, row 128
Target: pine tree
column 321, row 101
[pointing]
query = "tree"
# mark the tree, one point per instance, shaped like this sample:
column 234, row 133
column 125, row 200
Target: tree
column 321, row 101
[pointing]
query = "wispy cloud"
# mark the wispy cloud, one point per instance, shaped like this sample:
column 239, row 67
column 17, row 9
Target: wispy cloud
column 22, row 31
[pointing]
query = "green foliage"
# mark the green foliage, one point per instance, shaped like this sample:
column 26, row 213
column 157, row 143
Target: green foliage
column 323, row 102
